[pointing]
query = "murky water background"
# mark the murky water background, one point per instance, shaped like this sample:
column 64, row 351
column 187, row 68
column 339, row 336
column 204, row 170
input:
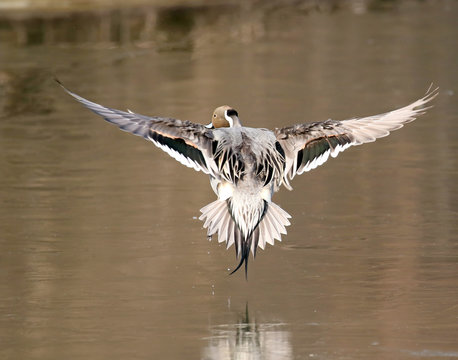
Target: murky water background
column 101, row 254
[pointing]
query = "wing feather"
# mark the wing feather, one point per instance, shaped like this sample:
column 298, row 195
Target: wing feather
column 309, row 145
column 186, row 142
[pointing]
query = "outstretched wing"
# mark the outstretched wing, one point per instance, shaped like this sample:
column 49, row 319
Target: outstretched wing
column 309, row 145
column 187, row 142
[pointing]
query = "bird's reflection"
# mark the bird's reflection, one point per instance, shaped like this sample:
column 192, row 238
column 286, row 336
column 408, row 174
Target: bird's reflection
column 248, row 339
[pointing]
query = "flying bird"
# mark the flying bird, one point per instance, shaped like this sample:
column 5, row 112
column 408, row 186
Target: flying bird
column 248, row 165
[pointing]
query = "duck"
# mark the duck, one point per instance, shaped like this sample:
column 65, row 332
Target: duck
column 246, row 165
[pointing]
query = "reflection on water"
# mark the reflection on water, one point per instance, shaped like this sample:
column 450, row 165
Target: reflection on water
column 248, row 339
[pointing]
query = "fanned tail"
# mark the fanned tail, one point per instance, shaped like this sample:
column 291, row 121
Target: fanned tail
column 218, row 219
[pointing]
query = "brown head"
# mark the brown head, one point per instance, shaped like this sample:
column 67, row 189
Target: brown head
column 224, row 116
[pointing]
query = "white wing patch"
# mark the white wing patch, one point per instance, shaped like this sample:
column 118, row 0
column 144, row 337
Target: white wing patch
column 180, row 157
column 319, row 160
column 340, row 148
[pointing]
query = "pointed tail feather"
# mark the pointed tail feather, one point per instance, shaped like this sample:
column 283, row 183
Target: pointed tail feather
column 245, row 256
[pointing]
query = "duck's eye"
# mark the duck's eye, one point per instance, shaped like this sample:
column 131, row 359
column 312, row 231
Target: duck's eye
column 214, row 115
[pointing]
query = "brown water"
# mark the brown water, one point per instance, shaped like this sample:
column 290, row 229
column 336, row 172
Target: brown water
column 101, row 254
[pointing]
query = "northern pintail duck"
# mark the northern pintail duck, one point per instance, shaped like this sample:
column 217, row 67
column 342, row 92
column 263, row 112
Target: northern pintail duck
column 247, row 166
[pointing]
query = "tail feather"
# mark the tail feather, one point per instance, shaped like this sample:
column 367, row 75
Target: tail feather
column 273, row 225
column 216, row 225
column 218, row 219
column 210, row 210
column 222, row 231
column 255, row 241
column 230, row 234
column 262, row 229
column 271, row 232
column 245, row 256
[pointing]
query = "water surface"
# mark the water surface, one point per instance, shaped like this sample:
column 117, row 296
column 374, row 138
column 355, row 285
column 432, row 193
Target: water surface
column 101, row 252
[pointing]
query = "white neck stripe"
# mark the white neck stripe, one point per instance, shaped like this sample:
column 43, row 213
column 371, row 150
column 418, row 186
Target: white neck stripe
column 229, row 119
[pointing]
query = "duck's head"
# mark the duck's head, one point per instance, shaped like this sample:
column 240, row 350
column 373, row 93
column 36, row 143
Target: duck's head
column 224, row 116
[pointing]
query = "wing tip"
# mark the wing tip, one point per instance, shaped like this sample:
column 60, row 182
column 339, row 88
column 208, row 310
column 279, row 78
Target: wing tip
column 82, row 100
column 62, row 85
column 431, row 94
